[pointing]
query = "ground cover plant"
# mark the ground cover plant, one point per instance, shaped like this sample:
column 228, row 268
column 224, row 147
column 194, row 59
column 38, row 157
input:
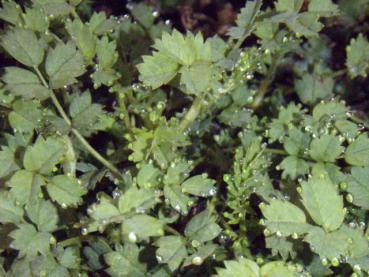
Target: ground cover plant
column 163, row 138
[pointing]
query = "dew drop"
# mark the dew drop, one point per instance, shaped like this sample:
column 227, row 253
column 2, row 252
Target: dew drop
column 159, row 258
column 155, row 13
column 63, row 205
column 197, row 260
column 84, row 231
column 132, row 237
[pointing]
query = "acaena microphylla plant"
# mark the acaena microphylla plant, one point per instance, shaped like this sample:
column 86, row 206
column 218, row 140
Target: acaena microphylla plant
column 131, row 148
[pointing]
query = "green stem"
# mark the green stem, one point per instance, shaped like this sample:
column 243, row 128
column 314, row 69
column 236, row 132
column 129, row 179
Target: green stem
column 123, row 107
column 172, row 230
column 266, row 83
column 276, row 151
column 191, row 115
column 81, row 139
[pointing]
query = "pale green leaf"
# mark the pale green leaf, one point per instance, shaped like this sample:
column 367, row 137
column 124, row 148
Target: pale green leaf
column 172, row 251
column 148, row 176
column 44, row 215
column 357, row 153
column 106, row 53
column 105, row 209
column 326, row 148
column 323, row 7
column 321, row 199
column 64, row 64
column 9, row 211
column 199, row 185
column 196, row 77
column 358, row 186
column 358, row 56
column 11, row 12
column 54, row 7
column 293, row 167
column 43, row 155
column 7, row 162
column 23, row 46
column 24, row 83
column 277, row 269
column 312, row 88
column 36, row 20
column 142, row 226
column 289, row 5
column 100, row 25
column 136, row 199
column 176, row 198
column 285, row 218
column 202, row 227
column 26, row 116
column 239, row 268
column 65, row 190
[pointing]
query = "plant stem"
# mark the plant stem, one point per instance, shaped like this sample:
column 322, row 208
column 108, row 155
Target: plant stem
column 266, row 83
column 172, row 230
column 191, row 115
column 78, row 135
column 276, row 151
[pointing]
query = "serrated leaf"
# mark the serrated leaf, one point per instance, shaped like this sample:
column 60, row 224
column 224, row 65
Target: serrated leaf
column 326, row 148
column 285, row 217
column 36, row 20
column 172, row 251
column 176, row 198
column 143, row 226
column 296, row 142
column 24, row 83
column 54, row 7
column 358, row 244
column 157, row 70
column 288, row 5
column 25, row 117
column 137, row 199
column 124, row 262
column 323, row 7
column 100, row 25
column 9, row 211
column 196, row 77
column 293, row 167
column 199, row 185
column 44, row 215
column 25, row 186
column 357, row 153
column 202, row 227
column 327, row 245
column 277, row 268
column 106, row 53
column 43, row 155
column 70, row 258
column 358, row 186
column 29, row 242
column 7, row 162
column 280, row 246
column 202, row 253
column 11, row 12
column 148, row 176
column 143, row 13
column 23, row 46
column 83, row 37
column 358, row 56
column 105, row 209
column 322, row 201
column 311, row 88
column 332, row 109
column 65, row 190
column 239, row 268
column 64, row 64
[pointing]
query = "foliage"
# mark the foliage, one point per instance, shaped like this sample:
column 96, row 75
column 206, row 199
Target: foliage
column 129, row 148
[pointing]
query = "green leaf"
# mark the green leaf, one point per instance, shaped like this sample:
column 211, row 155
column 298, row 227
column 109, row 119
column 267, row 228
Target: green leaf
column 171, row 251
column 245, row 19
column 7, row 162
column 332, row 109
column 25, row 186
column 202, row 253
column 64, row 64
column 280, row 246
column 277, row 269
column 70, row 258
column 36, row 20
column 202, row 227
column 9, row 211
column 29, row 242
column 103, row 210
column 100, row 25
column 137, row 199
column 106, row 53
column 358, row 186
column 296, row 142
column 24, row 83
column 26, row 116
column 327, row 148
column 143, row 13
column 285, row 218
column 323, row 7
column 142, row 226
column 44, row 215
column 322, row 201
column 327, row 245
column 43, row 155
column 11, row 12
column 125, row 262
column 148, row 176
column 199, row 185
column 83, row 37
column 65, row 190
column 157, row 70
column 289, row 5
column 312, row 88
column 23, row 46
column 196, row 77
column 357, row 153
column 358, row 56
column 239, row 268
column 176, row 198
column 54, row 7
column 293, row 167
column 86, row 116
